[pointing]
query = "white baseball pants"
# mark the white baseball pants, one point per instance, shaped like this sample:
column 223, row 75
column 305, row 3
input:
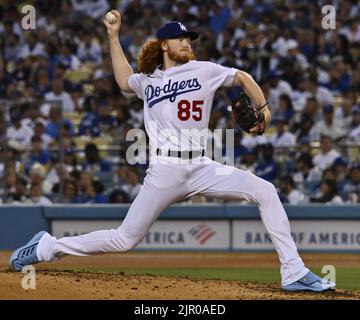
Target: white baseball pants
column 166, row 183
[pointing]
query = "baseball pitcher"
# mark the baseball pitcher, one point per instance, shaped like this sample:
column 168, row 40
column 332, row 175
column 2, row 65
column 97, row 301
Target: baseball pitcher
column 178, row 93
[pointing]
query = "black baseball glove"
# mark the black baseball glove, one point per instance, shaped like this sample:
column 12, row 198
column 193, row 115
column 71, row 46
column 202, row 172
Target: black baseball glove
column 246, row 116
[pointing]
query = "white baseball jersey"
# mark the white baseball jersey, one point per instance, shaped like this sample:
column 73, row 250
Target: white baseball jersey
column 177, row 102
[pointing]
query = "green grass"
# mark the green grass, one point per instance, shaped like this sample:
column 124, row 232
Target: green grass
column 346, row 277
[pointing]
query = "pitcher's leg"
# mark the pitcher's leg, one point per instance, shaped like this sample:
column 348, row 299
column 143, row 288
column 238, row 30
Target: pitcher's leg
column 244, row 185
column 145, row 209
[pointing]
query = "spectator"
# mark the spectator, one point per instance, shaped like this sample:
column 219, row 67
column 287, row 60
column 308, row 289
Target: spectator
column 70, row 160
column 68, row 60
column 37, row 175
column 278, row 87
column 118, row 196
column 306, row 172
column 304, row 147
column 219, row 16
column 286, row 108
column 329, row 193
column 89, row 49
column 12, row 48
column 239, row 149
column 89, row 125
column 354, row 134
column 42, row 82
column 19, row 132
column 105, row 121
column 323, row 95
column 282, row 138
column 341, row 172
column 290, row 70
column 39, row 133
column 91, row 190
column 312, row 109
column 248, row 160
column 70, row 191
column 328, row 174
column 354, row 197
column 327, row 155
column 352, row 184
column 53, row 126
column 60, row 96
column 56, row 171
column 37, row 197
column 329, row 126
column 288, row 192
column 266, row 167
column 8, row 182
column 136, row 113
column 264, row 52
column 78, row 97
column 86, row 179
column 340, row 79
column 12, row 158
column 120, row 175
column 19, row 195
column 93, row 161
column 296, row 56
column 302, row 128
column 352, row 31
column 31, row 114
column 38, row 154
column 343, row 114
column 32, row 47
column 132, row 186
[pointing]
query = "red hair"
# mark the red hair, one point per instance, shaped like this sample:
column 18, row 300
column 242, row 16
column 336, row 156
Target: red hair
column 151, row 55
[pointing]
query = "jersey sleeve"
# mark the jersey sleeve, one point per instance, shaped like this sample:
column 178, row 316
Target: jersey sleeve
column 134, row 82
column 221, row 76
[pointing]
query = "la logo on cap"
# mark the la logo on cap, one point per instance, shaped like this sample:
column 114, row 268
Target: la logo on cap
column 182, row 27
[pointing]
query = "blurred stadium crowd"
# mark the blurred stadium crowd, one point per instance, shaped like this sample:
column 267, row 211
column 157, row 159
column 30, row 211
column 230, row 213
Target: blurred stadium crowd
column 57, row 89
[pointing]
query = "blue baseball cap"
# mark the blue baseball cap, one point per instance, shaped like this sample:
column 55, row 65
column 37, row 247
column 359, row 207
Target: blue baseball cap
column 328, row 108
column 340, row 161
column 305, row 140
column 175, row 29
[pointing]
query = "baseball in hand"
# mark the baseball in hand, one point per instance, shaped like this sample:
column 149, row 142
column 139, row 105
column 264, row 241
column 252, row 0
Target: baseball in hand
column 110, row 17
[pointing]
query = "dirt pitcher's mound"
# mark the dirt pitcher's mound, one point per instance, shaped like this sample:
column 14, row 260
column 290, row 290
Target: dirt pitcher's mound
column 96, row 285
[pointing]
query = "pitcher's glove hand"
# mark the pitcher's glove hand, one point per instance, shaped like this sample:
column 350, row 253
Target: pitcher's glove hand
column 247, row 117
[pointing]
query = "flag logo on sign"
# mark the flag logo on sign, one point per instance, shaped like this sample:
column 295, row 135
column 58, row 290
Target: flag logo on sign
column 202, row 233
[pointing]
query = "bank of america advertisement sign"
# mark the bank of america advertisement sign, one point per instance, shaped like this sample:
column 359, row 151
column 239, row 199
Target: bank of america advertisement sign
column 185, row 234
column 225, row 234
column 307, row 234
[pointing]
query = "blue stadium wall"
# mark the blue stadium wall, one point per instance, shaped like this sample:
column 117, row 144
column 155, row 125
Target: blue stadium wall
column 222, row 227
